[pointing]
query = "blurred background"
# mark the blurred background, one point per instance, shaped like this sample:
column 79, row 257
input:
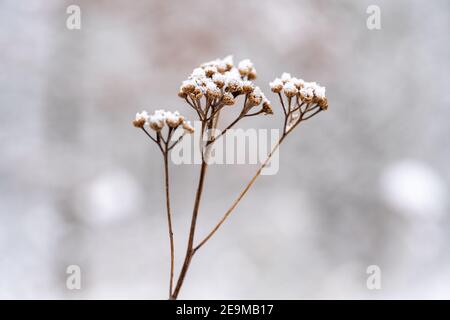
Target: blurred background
column 366, row 183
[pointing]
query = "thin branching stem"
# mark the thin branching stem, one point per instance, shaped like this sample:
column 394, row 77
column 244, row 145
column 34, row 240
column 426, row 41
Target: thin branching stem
column 282, row 104
column 157, row 141
column 163, row 145
column 224, row 130
column 252, row 180
column 169, row 219
column 240, row 196
column 198, row 195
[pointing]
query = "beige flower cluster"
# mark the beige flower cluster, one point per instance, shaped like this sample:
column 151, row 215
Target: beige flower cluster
column 160, row 118
column 221, row 83
column 308, row 92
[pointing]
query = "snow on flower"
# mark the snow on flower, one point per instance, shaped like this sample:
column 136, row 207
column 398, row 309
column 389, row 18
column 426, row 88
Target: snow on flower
column 276, row 85
column 307, row 92
column 220, row 80
column 141, row 119
column 160, row 118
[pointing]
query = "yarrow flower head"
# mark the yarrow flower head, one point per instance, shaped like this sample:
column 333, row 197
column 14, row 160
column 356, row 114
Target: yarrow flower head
column 160, row 118
column 246, row 68
column 157, row 120
column 219, row 78
column 141, row 119
column 188, row 128
column 308, row 92
column 220, row 81
column 276, row 85
column 289, row 89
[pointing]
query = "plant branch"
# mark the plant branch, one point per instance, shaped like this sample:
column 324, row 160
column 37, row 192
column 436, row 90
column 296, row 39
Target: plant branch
column 189, row 250
column 154, row 140
column 176, row 142
column 169, row 220
column 241, row 195
column 190, row 246
column 282, row 104
column 250, row 183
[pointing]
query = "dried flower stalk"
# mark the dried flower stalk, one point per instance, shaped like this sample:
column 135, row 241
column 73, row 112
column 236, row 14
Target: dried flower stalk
column 212, row 87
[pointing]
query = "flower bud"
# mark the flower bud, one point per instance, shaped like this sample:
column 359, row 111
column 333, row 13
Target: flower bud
column 276, row 85
column 188, row 128
column 228, row 99
column 290, row 90
column 141, row 119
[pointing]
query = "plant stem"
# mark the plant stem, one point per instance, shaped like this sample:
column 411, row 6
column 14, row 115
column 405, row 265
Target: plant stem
column 169, row 220
column 190, row 251
column 211, row 124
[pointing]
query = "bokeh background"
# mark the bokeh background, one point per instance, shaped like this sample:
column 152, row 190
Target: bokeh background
column 366, row 183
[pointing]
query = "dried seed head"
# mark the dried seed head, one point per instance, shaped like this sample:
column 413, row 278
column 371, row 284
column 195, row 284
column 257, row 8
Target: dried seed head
column 198, row 92
column 221, row 68
column 307, row 94
column 313, row 92
column 228, row 60
column 157, row 119
column 173, row 119
column 198, row 73
column 160, row 118
column 188, row 128
column 276, row 85
column 323, row 103
column 319, row 92
column 285, row 77
column 234, row 85
column 212, row 91
column 289, row 89
column 188, row 86
column 299, row 83
column 218, row 65
column 266, row 107
column 219, row 80
column 182, row 95
column 210, row 71
column 251, row 75
column 247, row 87
column 245, row 66
column 141, row 119
column 228, row 99
column 255, row 98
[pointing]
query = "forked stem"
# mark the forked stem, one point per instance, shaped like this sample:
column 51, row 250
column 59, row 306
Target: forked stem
column 212, row 123
column 241, row 195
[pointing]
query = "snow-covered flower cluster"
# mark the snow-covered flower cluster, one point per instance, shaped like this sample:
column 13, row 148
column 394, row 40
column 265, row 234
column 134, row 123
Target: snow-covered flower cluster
column 308, row 92
column 160, row 118
column 221, row 83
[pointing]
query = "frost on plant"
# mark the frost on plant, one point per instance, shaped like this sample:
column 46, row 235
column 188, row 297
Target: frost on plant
column 211, row 89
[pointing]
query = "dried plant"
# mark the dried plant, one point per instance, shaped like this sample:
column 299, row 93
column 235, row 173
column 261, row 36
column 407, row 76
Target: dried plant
column 210, row 90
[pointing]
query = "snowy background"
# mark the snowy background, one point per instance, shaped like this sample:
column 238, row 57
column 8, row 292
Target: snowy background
column 366, row 183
